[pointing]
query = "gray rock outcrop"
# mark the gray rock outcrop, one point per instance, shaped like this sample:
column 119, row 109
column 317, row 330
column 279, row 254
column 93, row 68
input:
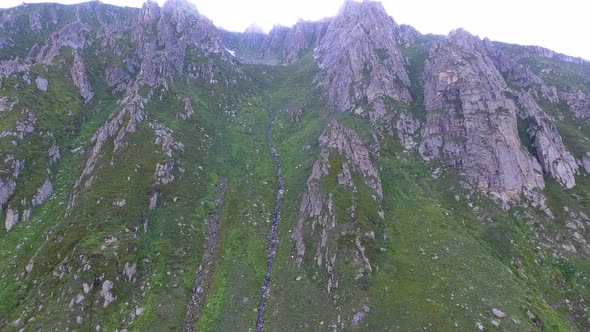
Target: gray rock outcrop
column 578, row 102
column 188, row 109
column 153, row 200
column 165, row 140
column 129, row 271
column 6, row 42
column 106, row 293
column 12, row 217
column 23, row 127
column 586, row 162
column 41, row 83
column 7, row 187
column 43, row 193
column 73, row 35
column 408, row 130
column 548, row 145
column 120, row 203
column 35, row 22
column 7, row 104
column 80, row 78
column 54, row 154
column 471, row 123
column 8, row 175
column 317, row 210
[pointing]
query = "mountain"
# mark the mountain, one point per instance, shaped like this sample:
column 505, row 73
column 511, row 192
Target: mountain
column 158, row 173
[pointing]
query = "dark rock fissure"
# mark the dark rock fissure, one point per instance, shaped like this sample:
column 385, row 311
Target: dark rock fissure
column 206, row 269
column 274, row 232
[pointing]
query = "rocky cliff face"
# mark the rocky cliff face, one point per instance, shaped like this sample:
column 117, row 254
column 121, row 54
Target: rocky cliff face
column 548, row 145
column 361, row 62
column 281, row 45
column 472, row 124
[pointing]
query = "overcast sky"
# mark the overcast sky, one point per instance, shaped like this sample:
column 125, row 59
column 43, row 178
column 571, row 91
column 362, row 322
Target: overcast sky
column 560, row 25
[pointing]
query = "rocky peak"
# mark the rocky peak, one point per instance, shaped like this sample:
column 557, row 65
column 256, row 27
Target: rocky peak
column 180, row 6
column 406, row 34
column 358, row 54
column 254, row 29
column 465, row 40
column 150, row 12
column 165, row 36
column 352, row 9
column 282, row 44
column 252, row 37
column 301, row 37
column 181, row 13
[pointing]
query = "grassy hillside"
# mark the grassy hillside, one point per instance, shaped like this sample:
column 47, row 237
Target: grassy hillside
column 442, row 257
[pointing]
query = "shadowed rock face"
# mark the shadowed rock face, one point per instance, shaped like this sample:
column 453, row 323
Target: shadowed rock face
column 361, row 61
column 550, row 151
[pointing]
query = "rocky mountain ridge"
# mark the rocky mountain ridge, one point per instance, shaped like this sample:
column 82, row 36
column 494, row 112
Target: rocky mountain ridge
column 136, row 180
column 357, row 53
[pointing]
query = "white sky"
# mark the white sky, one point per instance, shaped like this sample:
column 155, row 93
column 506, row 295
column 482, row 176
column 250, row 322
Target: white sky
column 560, row 25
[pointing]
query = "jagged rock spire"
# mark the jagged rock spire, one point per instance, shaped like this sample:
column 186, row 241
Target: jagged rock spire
column 361, row 60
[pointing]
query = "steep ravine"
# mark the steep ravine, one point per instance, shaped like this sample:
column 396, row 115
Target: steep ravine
column 274, row 231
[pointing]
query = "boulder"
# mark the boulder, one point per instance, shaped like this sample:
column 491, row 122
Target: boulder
column 41, row 83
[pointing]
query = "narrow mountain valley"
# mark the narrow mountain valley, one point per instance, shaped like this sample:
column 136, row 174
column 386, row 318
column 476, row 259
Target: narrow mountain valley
column 159, row 173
